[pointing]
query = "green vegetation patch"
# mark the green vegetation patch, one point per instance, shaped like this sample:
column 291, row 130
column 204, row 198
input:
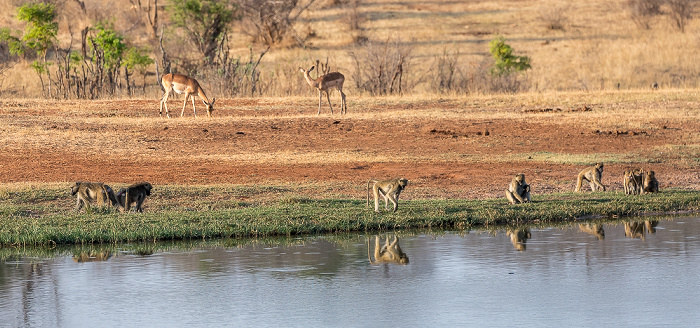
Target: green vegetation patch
column 53, row 222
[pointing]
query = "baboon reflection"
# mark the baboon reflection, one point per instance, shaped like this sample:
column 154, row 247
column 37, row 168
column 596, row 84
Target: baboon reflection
column 594, row 229
column 519, row 237
column 92, row 256
column 640, row 229
column 389, row 253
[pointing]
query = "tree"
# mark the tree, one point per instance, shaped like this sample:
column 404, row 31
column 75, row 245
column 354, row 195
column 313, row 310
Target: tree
column 109, row 47
column 506, row 63
column 136, row 60
column 681, row 12
column 205, row 22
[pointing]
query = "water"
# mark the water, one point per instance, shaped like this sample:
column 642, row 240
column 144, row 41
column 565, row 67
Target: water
column 563, row 276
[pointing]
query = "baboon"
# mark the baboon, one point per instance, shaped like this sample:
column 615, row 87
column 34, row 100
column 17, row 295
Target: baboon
column 326, row 83
column 135, row 193
column 518, row 190
column 629, row 182
column 593, row 229
column 650, row 183
column 389, row 253
column 593, row 175
column 92, row 192
column 518, row 237
column 187, row 85
column 389, row 189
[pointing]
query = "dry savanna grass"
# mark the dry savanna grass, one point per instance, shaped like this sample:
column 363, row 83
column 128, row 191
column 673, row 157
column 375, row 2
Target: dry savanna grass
column 590, row 45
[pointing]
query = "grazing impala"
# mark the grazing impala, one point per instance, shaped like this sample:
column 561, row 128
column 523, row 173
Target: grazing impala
column 326, row 83
column 187, row 85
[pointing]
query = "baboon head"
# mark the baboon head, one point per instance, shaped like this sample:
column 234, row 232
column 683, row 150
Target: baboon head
column 403, row 183
column 599, row 167
column 650, row 174
column 520, row 177
column 148, row 188
column 74, row 189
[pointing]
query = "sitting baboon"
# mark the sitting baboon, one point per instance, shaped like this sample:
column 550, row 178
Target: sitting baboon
column 389, row 253
column 593, row 229
column 388, row 189
column 518, row 190
column 650, row 183
column 518, row 237
column 135, row 193
column 92, row 192
column 593, row 175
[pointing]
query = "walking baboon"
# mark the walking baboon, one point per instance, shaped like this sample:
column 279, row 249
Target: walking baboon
column 389, row 253
column 135, row 193
column 518, row 190
column 650, row 183
column 593, row 175
column 92, row 192
column 389, row 189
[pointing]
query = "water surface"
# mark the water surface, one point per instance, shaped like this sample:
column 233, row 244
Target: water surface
column 618, row 274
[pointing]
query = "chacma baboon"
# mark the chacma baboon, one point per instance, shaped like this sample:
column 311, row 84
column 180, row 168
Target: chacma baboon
column 326, row 83
column 650, row 183
column 389, row 189
column 593, row 175
column 187, row 85
column 389, row 253
column 518, row 190
column 135, row 193
column 629, row 182
column 92, row 192
column 593, row 229
column 518, row 237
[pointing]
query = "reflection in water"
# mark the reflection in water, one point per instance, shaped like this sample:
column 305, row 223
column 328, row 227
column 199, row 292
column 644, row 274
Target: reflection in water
column 519, row 237
column 636, row 229
column 389, row 253
column 92, row 255
column 454, row 279
column 595, row 229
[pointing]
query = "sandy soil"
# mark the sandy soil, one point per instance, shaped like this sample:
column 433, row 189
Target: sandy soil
column 261, row 141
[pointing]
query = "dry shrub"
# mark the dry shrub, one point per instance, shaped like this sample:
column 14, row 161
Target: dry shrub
column 681, row 12
column 380, row 67
column 452, row 75
column 554, row 18
column 271, row 22
column 642, row 11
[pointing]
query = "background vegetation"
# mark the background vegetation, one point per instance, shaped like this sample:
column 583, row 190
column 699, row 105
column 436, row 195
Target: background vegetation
column 102, row 48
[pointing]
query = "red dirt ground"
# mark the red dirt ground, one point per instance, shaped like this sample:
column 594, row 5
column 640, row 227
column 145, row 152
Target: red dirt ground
column 202, row 150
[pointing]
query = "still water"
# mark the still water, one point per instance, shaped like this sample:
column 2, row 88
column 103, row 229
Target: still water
column 615, row 273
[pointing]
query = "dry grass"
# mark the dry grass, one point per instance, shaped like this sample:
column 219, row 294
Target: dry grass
column 598, row 46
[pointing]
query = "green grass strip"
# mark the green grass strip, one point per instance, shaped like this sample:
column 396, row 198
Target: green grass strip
column 46, row 223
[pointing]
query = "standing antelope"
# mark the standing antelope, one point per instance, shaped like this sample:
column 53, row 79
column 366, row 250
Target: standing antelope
column 326, row 83
column 187, row 85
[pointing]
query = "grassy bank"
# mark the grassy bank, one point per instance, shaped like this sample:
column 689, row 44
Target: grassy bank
column 44, row 216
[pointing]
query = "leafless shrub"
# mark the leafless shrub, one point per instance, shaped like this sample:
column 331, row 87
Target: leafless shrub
column 681, row 12
column 451, row 74
column 271, row 22
column 642, row 11
column 380, row 67
column 554, row 18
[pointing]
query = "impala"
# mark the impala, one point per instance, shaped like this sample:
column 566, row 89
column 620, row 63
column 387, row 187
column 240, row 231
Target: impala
column 187, row 85
column 326, row 83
